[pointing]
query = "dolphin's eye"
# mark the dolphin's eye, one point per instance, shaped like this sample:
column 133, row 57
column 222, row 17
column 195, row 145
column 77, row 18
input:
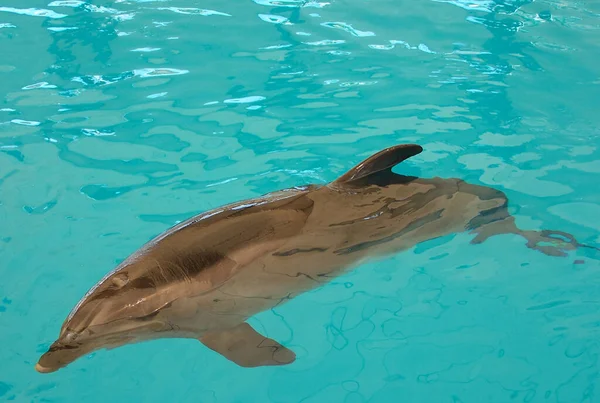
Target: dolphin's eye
column 120, row 280
column 70, row 337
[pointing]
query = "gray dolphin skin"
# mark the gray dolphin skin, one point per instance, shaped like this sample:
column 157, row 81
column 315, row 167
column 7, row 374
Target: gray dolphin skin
column 204, row 277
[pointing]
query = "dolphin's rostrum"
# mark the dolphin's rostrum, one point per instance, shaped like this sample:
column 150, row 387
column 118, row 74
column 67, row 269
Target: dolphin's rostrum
column 206, row 276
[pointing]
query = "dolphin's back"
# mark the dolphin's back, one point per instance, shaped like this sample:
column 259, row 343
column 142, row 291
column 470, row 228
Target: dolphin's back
column 223, row 239
column 237, row 225
column 289, row 199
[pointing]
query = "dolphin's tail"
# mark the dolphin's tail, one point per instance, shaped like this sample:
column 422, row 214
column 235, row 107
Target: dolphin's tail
column 557, row 242
column 549, row 242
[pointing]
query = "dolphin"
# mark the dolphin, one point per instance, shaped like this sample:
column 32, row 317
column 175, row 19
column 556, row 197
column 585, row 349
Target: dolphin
column 205, row 277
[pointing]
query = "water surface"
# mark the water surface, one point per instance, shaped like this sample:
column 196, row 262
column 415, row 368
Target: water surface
column 120, row 118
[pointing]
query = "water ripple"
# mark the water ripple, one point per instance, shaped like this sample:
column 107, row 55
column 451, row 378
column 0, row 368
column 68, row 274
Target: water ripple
column 96, row 79
column 42, row 84
column 124, row 16
column 67, row 3
column 145, row 50
column 277, row 46
column 348, row 28
column 101, row 9
column 157, row 95
column 97, row 133
column 195, row 11
column 392, row 44
column 274, row 19
column 154, row 72
column 326, row 42
column 244, row 100
column 25, row 122
column 61, row 29
column 475, row 5
column 292, row 3
column 33, row 12
column 88, row 7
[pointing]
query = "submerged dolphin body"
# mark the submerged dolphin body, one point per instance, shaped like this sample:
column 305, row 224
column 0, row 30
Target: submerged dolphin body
column 205, row 277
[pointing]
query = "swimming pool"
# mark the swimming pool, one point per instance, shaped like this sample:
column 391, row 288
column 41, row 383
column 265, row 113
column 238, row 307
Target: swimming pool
column 122, row 118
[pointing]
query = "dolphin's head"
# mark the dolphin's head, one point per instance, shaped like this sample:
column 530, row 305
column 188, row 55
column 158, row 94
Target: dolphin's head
column 125, row 306
column 119, row 310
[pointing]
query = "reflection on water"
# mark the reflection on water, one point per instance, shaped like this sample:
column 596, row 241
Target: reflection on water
column 121, row 118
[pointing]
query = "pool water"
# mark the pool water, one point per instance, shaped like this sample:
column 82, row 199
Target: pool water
column 120, row 118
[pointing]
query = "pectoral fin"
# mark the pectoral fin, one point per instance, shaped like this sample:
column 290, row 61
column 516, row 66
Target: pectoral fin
column 247, row 348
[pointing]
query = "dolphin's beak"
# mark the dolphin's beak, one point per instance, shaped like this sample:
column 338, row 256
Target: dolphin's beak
column 59, row 355
column 43, row 370
column 51, row 361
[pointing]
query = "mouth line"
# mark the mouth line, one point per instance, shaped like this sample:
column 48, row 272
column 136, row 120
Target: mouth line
column 59, row 347
column 43, row 370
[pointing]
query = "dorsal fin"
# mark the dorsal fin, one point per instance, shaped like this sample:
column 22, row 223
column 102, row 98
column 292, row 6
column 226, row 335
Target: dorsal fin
column 381, row 162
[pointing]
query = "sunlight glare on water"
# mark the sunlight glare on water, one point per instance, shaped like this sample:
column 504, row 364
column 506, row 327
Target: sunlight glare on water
column 122, row 118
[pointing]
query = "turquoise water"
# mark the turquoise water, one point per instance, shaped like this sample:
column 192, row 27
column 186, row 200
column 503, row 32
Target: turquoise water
column 121, row 118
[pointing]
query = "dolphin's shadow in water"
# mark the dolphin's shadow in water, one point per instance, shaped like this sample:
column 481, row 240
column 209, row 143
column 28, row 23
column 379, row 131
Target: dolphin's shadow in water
column 206, row 276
